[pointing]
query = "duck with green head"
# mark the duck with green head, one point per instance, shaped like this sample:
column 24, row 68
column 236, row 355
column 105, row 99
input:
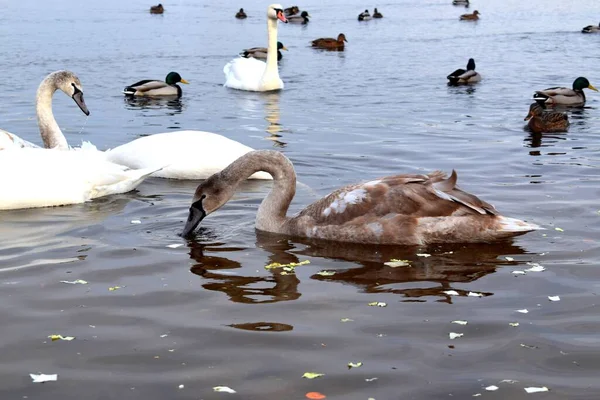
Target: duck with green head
column 261, row 52
column 564, row 96
column 150, row 87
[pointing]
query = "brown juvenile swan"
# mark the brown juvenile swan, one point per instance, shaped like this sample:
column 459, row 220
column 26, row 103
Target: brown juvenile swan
column 401, row 209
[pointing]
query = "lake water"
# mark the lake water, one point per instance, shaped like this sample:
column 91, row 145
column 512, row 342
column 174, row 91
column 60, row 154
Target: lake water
column 207, row 313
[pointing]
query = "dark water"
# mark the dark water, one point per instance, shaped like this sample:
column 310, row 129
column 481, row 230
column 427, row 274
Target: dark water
column 381, row 107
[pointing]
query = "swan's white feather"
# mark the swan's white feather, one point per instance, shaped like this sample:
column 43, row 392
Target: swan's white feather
column 247, row 74
column 9, row 140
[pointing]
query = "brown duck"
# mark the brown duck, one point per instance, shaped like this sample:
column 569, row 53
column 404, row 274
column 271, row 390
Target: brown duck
column 159, row 9
column 330, row 43
column 241, row 14
column 541, row 121
column 470, row 17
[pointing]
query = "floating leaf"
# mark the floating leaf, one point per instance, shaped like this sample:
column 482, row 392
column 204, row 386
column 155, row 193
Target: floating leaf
column 536, row 389
column 474, row 294
column 554, row 298
column 315, row 396
column 492, row 388
column 75, row 282
column 451, row 292
column 312, row 375
column 174, row 245
column 559, row 229
column 354, row 365
column 509, row 258
column 346, row 320
column 136, row 221
column 423, row 255
column 326, row 273
column 225, row 389
column 394, row 263
column 454, row 335
column 513, row 324
column 113, row 288
column 517, row 272
column 41, row 378
column 378, row 304
column 292, row 265
column 522, row 311
column 61, row 337
column 459, row 322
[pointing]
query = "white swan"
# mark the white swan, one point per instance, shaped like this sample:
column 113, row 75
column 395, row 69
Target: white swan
column 255, row 75
column 183, row 154
column 37, row 177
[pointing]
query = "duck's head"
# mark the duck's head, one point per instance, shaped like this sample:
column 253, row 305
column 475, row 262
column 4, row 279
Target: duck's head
column 476, row 12
column 375, row 10
column 275, row 12
column 210, row 195
column 582, row 83
column 342, row 38
column 471, row 65
column 304, row 14
column 535, row 109
column 69, row 83
column 241, row 10
column 173, row 78
column 280, row 46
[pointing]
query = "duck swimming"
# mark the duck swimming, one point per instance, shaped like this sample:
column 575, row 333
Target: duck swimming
column 377, row 14
column 401, row 209
column 591, row 29
column 293, row 10
column 461, row 76
column 149, row 87
column 241, row 14
column 261, row 52
column 159, row 9
column 330, row 43
column 470, row 17
column 541, row 121
column 299, row 19
column 364, row 16
column 564, row 96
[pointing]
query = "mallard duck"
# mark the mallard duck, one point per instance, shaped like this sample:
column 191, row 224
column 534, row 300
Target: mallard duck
column 470, row 17
column 591, row 29
column 402, row 209
column 159, row 9
column 377, row 14
column 465, row 76
column 150, row 87
column 461, row 3
column 330, row 43
column 291, row 11
column 364, row 16
column 564, row 96
column 241, row 14
column 299, row 19
column 261, row 52
column 546, row 121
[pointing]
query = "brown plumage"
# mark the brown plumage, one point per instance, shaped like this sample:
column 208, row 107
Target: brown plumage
column 159, row 9
column 330, row 43
column 401, row 209
column 470, row 17
column 293, row 10
column 541, row 120
column 241, row 14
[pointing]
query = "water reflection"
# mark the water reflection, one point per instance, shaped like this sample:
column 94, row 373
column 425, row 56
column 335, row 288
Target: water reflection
column 173, row 103
column 461, row 89
column 534, row 140
column 426, row 276
column 272, row 116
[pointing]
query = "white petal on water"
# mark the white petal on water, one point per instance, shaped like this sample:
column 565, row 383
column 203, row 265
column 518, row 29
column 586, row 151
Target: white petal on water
column 533, row 389
column 225, row 389
column 474, row 294
column 41, row 378
column 451, row 292
column 459, row 322
column 454, row 335
column 554, row 298
column 174, row 245
column 517, row 272
column 522, row 311
column 492, row 388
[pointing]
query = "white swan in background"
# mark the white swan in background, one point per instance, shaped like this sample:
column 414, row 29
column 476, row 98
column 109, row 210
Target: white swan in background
column 181, row 154
column 255, row 75
column 38, row 177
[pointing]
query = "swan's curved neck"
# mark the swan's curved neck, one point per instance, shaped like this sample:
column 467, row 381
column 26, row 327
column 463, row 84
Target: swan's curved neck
column 271, row 69
column 273, row 209
column 51, row 133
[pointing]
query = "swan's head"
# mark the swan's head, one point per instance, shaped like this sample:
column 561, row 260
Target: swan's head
column 275, row 11
column 210, row 195
column 173, row 78
column 70, row 84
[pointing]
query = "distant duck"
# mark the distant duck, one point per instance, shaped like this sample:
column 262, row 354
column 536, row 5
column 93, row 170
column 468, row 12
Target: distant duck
column 377, row 14
column 157, row 88
column 261, row 52
column 461, row 3
column 291, row 11
column 541, row 121
column 241, row 14
column 564, row 96
column 470, row 17
column 159, row 9
column 299, row 19
column 461, row 76
column 330, row 43
column 364, row 16
column 591, row 29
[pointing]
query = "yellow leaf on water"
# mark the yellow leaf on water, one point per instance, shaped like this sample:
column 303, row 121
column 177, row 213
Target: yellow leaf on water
column 278, row 265
column 60, row 337
column 326, row 273
column 112, row 289
column 559, row 229
column 394, row 263
column 378, row 304
column 354, row 365
column 312, row 375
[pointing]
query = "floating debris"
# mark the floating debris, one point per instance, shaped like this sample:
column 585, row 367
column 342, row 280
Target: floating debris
column 459, row 322
column 41, row 378
column 508, row 381
column 509, row 258
column 354, row 365
column 474, row 294
column 326, row 273
column 346, row 320
column 527, row 346
column 515, row 324
column 181, row 386
column 536, row 389
column 559, row 229
column 454, row 335
column 225, row 389
column 61, row 337
column 136, row 221
column 174, row 245
column 75, row 282
column 290, row 265
column 423, row 255
column 164, row 336
column 451, row 292
column 378, row 304
column 312, row 375
column 522, row 311
column 394, row 263
column 315, row 396
column 517, row 272
column 113, row 288
column 370, row 379
column 492, row 388
column 554, row 298
column 535, row 267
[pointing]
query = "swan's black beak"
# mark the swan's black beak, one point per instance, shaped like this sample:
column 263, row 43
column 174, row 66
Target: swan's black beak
column 195, row 216
column 78, row 98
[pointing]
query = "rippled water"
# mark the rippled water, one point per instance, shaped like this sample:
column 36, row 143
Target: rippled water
column 380, row 107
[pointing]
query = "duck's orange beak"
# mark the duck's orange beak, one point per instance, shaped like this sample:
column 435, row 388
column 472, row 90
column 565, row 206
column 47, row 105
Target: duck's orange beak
column 281, row 16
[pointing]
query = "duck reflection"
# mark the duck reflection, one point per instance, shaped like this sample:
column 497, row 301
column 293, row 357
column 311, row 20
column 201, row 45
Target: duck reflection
column 173, row 103
column 426, row 276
